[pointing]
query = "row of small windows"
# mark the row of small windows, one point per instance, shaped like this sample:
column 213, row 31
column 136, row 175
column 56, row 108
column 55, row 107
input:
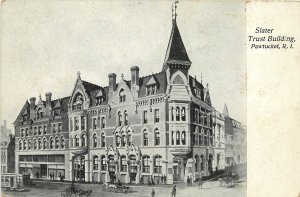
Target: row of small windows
column 178, row 138
column 99, row 122
column 42, row 143
column 178, row 114
column 204, row 138
column 40, row 113
column 146, row 118
column 41, row 130
column 203, row 118
column 78, row 122
column 123, row 139
column 121, row 118
column 156, row 137
column 129, row 165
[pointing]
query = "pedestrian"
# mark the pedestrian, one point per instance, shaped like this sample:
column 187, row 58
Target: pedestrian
column 165, row 179
column 200, row 183
column 153, row 193
column 162, row 179
column 173, row 193
column 188, row 181
column 157, row 182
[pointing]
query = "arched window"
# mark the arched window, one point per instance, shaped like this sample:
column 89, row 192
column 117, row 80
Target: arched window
column 95, row 162
column 145, row 138
column 118, row 139
column 132, row 164
column 20, row 145
column 157, row 164
column 35, row 144
column 103, row 163
column 62, row 142
column 122, row 96
column 39, row 113
column 194, row 138
column 56, row 142
column 129, row 139
column 51, row 142
column 44, row 143
column 123, row 163
column 83, row 140
column 94, row 140
column 111, row 163
column 183, row 114
column 103, row 140
column 39, row 143
column 76, row 140
column 125, row 118
column 29, row 144
column 123, row 139
column 78, row 102
column 146, row 164
column 173, row 138
column 177, row 114
column 177, row 138
column 156, row 137
column 120, row 118
column 183, row 137
column 24, row 145
column 205, row 138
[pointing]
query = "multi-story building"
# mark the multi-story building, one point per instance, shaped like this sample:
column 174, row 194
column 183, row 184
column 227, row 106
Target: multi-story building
column 41, row 131
column 7, row 144
column 134, row 130
column 235, row 136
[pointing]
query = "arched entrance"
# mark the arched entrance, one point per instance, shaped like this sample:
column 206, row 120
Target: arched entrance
column 112, row 168
column 132, row 168
column 79, row 168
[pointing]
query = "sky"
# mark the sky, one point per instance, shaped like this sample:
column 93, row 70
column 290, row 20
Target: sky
column 45, row 43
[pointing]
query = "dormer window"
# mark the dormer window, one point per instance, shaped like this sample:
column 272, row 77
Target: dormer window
column 56, row 111
column 78, row 102
column 99, row 100
column 151, row 90
column 39, row 114
column 122, row 96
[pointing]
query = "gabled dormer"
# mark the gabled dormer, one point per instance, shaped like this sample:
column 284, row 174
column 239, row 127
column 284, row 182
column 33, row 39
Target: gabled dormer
column 40, row 109
column 207, row 96
column 152, row 86
column 100, row 97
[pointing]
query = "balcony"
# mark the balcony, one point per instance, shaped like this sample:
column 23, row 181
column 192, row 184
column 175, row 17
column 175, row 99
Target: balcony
column 181, row 150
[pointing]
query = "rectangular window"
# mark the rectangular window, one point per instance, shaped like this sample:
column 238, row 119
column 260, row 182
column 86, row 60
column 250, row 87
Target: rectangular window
column 94, row 123
column 157, row 139
column 59, row 127
column 145, row 117
column 102, row 122
column 76, row 123
column 27, row 132
column 45, row 129
column 40, row 130
column 35, row 131
column 82, row 123
column 167, row 139
column 156, row 115
column 54, row 128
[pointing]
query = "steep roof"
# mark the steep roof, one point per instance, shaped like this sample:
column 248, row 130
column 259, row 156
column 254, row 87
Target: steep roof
column 161, row 79
column 176, row 52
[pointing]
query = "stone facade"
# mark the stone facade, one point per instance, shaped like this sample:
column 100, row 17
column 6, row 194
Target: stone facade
column 7, row 144
column 134, row 130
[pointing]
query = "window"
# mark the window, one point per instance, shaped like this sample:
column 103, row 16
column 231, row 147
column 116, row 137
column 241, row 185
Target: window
column 102, row 140
column 156, row 115
column 197, row 116
column 118, row 140
column 172, row 113
column 146, row 164
column 202, row 162
column 56, row 142
column 157, row 137
column 125, row 118
column 62, row 142
column 194, row 139
column 59, row 127
column 20, row 145
column 40, row 143
column 56, row 111
column 157, row 164
column 34, row 144
column 102, row 122
column 82, row 123
column 183, row 136
column 24, row 145
column 123, row 164
column 129, row 139
column 123, row 140
column 29, row 145
column 151, row 89
column 211, row 140
column 78, row 102
column 83, row 140
column 196, row 163
column 145, row 136
column 205, row 138
column 76, row 140
column 44, row 143
column 71, row 124
column 119, row 118
column 45, row 129
column 35, row 131
column 94, row 123
column 103, row 163
column 177, row 114
column 100, row 100
column 177, row 138
column 39, row 114
column 26, row 132
column 132, row 164
column 173, row 141
column 201, row 138
column 54, row 129
column 76, row 123
column 94, row 140
column 122, row 96
column 95, row 162
column 183, row 114
column 145, row 117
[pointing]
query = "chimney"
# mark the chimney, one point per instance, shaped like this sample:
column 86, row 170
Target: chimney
column 112, row 81
column 135, row 80
column 32, row 102
column 48, row 99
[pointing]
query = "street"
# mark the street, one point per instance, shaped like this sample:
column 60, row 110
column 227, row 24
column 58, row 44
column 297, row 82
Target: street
column 210, row 189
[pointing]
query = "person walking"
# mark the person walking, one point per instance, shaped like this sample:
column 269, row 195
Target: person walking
column 173, row 193
column 153, row 193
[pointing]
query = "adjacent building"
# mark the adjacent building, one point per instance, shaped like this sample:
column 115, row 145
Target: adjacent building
column 133, row 130
column 7, row 144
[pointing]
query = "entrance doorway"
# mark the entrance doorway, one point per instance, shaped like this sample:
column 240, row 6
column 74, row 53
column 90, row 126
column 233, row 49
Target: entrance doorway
column 43, row 170
column 79, row 168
